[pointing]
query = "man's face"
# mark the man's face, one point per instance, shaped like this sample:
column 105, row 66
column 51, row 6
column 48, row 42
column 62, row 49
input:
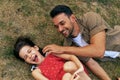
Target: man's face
column 63, row 24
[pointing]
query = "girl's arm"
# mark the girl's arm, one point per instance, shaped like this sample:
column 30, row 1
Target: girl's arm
column 71, row 58
column 37, row 75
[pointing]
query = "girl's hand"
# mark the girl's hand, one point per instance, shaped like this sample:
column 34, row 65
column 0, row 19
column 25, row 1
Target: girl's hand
column 76, row 75
column 80, row 75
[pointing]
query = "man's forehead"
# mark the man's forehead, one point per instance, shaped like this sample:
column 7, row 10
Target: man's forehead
column 59, row 18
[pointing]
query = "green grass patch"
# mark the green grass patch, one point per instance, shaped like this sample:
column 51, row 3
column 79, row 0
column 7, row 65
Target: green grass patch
column 2, row 24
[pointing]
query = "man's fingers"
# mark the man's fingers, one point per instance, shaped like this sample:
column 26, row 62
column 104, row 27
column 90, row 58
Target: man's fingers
column 45, row 49
column 47, row 53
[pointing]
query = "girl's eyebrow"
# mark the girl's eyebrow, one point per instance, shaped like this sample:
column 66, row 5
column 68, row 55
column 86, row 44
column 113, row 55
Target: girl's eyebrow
column 28, row 50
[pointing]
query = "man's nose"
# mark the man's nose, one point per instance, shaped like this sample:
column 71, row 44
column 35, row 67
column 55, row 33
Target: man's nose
column 60, row 28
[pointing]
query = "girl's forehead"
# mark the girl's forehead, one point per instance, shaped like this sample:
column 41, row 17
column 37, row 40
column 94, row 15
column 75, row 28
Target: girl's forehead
column 24, row 50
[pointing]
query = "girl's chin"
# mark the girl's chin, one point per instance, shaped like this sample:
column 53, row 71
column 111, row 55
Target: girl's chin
column 33, row 63
column 36, row 62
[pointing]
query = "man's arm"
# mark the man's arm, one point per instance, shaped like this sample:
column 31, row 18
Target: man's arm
column 37, row 75
column 97, row 70
column 96, row 47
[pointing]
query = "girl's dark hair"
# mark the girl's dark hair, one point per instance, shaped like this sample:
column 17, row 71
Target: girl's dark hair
column 21, row 42
column 60, row 9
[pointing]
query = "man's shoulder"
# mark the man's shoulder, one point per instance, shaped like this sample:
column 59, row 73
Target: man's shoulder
column 90, row 14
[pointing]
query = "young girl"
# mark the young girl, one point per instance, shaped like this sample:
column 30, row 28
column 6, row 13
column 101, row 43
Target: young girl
column 51, row 67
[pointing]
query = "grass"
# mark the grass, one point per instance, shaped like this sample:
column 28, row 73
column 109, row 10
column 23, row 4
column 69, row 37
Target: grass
column 31, row 17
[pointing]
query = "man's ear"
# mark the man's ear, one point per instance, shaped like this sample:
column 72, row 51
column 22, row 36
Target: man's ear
column 73, row 18
column 36, row 47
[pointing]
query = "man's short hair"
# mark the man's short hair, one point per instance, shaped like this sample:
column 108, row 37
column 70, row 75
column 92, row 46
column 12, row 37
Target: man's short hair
column 60, row 9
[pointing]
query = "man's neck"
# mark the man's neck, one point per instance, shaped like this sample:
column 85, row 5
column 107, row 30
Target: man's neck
column 76, row 30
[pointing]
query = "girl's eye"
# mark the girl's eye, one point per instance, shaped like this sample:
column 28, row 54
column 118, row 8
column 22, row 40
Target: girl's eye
column 25, row 57
column 29, row 51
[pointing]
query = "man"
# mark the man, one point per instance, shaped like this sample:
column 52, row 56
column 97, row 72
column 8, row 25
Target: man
column 88, row 33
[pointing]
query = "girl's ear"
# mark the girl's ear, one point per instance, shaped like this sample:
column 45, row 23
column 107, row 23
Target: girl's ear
column 36, row 47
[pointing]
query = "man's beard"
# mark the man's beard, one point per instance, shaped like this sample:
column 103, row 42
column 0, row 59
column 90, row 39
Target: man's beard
column 71, row 32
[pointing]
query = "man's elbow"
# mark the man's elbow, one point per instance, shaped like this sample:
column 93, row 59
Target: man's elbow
column 101, row 53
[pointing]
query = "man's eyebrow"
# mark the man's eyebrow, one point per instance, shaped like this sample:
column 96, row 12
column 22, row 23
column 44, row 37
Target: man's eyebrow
column 61, row 21
column 56, row 25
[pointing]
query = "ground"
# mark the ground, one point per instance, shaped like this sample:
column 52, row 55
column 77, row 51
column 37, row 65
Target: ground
column 31, row 18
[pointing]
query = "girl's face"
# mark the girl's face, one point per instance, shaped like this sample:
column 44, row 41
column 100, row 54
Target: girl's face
column 31, row 54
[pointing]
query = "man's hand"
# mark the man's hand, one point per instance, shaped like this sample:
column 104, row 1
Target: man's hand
column 53, row 49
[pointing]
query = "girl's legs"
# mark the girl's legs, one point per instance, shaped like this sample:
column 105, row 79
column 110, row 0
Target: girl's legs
column 67, row 76
column 70, row 67
column 80, row 75
column 73, row 72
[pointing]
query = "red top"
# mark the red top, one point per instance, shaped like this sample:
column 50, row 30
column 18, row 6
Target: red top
column 52, row 67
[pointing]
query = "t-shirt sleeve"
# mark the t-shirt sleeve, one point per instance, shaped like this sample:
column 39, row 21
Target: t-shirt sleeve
column 94, row 22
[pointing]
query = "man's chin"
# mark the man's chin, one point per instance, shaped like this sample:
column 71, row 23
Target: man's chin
column 65, row 35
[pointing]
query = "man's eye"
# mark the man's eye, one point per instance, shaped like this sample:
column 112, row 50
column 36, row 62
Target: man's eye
column 55, row 26
column 62, row 23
